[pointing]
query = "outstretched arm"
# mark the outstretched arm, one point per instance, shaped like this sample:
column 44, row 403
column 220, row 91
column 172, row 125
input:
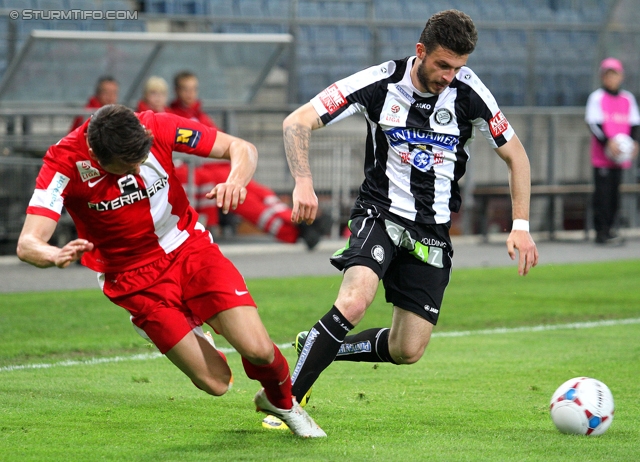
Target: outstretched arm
column 519, row 239
column 297, row 129
column 33, row 244
column 244, row 159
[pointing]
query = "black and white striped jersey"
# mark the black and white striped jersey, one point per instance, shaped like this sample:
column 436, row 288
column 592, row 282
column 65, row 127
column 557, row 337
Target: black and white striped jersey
column 417, row 143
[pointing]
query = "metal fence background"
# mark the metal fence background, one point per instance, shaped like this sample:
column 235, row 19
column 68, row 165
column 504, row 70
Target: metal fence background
column 556, row 140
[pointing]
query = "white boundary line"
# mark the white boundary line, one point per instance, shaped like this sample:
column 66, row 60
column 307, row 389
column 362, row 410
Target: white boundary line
column 284, row 346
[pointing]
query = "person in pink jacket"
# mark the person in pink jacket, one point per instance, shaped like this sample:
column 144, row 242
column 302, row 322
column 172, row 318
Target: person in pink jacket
column 613, row 118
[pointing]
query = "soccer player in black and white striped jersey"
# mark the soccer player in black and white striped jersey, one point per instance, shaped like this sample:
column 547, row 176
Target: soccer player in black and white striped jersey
column 421, row 114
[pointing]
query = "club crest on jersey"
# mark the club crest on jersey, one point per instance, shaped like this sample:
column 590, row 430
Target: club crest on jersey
column 332, row 99
column 188, row 136
column 421, row 158
column 498, row 124
column 86, row 170
column 443, row 116
column 377, row 252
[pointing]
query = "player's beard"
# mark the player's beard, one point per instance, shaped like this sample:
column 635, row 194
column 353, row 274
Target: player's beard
column 433, row 86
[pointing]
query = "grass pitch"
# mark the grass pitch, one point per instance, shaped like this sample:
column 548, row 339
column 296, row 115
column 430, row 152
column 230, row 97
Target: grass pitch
column 482, row 394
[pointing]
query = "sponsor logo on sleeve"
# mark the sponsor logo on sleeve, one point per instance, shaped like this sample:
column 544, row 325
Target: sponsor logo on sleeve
column 332, row 99
column 188, row 136
column 498, row 124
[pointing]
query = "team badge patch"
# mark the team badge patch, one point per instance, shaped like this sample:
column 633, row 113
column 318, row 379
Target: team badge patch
column 498, row 124
column 443, row 116
column 188, row 136
column 332, row 99
column 377, row 252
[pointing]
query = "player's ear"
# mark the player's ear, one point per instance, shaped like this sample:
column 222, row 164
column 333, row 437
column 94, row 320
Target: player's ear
column 421, row 50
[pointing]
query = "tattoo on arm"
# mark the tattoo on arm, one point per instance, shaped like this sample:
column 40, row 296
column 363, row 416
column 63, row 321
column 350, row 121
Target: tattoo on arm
column 296, row 147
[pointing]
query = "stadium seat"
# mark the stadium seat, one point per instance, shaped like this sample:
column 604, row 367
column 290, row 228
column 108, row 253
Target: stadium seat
column 309, row 10
column 196, row 7
column 68, row 24
column 49, row 5
column 115, row 5
column 219, row 8
column 383, row 9
column 159, row 6
column 85, row 5
column 130, row 26
column 250, row 8
column 277, row 8
column 18, row 4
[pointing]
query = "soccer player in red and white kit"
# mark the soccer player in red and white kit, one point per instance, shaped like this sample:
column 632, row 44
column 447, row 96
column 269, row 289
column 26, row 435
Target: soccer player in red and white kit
column 136, row 228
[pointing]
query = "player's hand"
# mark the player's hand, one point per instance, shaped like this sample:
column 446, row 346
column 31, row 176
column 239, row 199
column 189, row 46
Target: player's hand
column 528, row 253
column 305, row 202
column 613, row 148
column 72, row 252
column 228, row 196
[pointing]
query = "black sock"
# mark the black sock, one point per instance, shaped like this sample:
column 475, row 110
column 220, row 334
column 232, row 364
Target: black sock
column 320, row 348
column 371, row 345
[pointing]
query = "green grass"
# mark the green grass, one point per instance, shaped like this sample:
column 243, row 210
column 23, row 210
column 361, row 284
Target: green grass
column 477, row 397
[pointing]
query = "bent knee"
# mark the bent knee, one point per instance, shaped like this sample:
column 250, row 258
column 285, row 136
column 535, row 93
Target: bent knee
column 213, row 386
column 407, row 355
column 259, row 354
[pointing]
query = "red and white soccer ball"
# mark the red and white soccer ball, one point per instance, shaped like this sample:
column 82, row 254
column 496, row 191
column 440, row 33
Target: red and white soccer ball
column 582, row 406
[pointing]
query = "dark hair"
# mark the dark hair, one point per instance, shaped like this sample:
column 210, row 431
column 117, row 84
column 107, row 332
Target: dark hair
column 116, row 133
column 451, row 29
column 103, row 79
column 181, row 76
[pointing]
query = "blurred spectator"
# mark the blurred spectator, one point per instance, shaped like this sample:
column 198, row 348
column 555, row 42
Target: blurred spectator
column 262, row 207
column 106, row 93
column 187, row 103
column 612, row 115
column 156, row 94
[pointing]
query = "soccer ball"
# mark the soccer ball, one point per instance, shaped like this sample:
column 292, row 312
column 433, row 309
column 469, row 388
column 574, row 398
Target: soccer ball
column 625, row 144
column 582, row 406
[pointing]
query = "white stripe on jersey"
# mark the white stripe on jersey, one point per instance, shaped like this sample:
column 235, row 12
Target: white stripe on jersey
column 170, row 237
column 51, row 198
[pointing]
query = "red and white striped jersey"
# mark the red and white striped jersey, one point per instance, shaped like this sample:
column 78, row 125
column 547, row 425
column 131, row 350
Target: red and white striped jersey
column 132, row 220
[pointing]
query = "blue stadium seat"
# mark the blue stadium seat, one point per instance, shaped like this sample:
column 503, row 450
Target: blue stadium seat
column 115, row 5
column 159, row 6
column 250, row 8
column 269, row 28
column 237, row 28
column 85, row 5
column 18, row 4
column 219, row 8
column 277, row 8
column 310, row 10
column 196, row 7
column 49, row 5
column 384, row 9
column 68, row 24
column 312, row 80
column 130, row 26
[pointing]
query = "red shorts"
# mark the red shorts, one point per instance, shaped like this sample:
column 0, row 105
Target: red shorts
column 176, row 293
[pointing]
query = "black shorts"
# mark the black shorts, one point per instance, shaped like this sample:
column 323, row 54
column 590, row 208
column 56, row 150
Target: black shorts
column 412, row 259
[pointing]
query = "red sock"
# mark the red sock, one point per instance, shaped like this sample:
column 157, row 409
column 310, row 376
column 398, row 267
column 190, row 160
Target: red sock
column 274, row 378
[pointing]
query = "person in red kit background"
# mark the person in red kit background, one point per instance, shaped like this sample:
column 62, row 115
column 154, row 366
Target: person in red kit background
column 262, row 208
column 106, row 92
column 115, row 176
